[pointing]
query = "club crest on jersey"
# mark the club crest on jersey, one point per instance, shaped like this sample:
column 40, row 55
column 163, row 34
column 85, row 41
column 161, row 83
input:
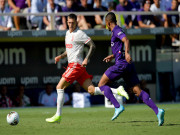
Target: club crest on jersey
column 112, row 43
column 69, row 45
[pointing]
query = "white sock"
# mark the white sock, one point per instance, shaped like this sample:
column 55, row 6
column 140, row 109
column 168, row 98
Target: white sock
column 114, row 91
column 98, row 91
column 60, row 101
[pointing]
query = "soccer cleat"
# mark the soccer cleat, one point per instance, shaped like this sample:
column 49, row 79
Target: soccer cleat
column 54, row 119
column 122, row 92
column 160, row 116
column 117, row 112
column 176, row 43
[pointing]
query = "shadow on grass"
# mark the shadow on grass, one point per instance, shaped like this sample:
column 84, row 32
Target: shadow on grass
column 118, row 122
column 130, row 121
column 171, row 124
column 137, row 121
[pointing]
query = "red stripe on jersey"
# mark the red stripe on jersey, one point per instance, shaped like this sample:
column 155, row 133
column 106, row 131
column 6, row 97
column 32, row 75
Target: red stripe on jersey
column 88, row 40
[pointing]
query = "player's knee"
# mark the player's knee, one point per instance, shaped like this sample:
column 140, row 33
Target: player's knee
column 91, row 90
column 58, row 87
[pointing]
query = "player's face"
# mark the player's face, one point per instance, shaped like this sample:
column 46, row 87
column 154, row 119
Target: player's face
column 72, row 24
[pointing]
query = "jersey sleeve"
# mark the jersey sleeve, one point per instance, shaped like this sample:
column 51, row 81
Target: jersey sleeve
column 83, row 38
column 120, row 34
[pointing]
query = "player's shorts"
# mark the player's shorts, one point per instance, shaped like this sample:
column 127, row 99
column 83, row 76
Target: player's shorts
column 127, row 72
column 76, row 72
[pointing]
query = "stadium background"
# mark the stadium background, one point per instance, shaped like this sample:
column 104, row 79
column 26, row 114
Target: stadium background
column 27, row 57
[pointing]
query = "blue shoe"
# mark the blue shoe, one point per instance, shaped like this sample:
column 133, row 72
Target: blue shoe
column 160, row 116
column 117, row 112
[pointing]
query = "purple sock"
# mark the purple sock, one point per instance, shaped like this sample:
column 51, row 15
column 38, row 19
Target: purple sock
column 108, row 93
column 148, row 101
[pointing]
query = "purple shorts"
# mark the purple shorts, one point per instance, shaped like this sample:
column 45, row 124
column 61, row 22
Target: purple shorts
column 125, row 71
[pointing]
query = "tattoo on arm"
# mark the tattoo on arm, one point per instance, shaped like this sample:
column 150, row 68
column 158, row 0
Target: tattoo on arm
column 64, row 54
column 92, row 48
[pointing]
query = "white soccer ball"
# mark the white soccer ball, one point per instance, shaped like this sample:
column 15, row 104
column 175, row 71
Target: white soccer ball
column 13, row 118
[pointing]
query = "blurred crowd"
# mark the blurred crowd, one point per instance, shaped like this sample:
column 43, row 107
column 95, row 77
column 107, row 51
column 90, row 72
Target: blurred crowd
column 23, row 97
column 89, row 22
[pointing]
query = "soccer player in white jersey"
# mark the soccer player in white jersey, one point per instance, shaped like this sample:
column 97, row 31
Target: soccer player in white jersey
column 76, row 70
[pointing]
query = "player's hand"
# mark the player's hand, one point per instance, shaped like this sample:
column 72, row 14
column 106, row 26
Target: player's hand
column 108, row 58
column 57, row 59
column 128, row 57
column 84, row 64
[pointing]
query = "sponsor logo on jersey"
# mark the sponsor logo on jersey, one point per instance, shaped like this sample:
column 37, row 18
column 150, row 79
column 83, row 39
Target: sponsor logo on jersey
column 69, row 45
column 120, row 33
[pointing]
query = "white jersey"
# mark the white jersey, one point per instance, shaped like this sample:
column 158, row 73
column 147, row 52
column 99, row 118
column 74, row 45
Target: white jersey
column 74, row 42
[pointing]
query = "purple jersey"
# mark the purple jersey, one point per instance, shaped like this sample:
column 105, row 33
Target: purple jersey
column 121, row 68
column 117, row 45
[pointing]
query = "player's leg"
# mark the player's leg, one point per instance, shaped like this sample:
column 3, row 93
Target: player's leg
column 119, row 91
column 109, row 95
column 132, row 81
column 60, row 92
column 148, row 101
column 145, row 97
column 88, row 86
column 60, row 100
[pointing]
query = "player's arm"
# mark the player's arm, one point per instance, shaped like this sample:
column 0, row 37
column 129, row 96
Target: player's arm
column 127, row 48
column 92, row 48
column 63, row 55
column 109, row 58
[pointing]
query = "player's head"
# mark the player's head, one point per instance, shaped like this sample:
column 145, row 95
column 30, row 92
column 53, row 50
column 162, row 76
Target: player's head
column 110, row 19
column 72, row 22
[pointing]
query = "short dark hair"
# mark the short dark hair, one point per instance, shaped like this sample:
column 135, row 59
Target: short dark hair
column 111, row 17
column 72, row 16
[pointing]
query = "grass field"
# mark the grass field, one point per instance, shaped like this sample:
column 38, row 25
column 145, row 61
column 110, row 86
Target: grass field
column 135, row 120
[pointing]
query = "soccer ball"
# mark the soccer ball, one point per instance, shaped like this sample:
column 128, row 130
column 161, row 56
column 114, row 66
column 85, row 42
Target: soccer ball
column 13, row 118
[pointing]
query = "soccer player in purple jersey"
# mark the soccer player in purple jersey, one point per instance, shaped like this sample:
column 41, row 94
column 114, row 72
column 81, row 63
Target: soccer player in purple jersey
column 123, row 68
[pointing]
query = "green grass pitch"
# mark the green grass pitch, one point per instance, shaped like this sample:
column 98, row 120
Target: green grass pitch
column 96, row 120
